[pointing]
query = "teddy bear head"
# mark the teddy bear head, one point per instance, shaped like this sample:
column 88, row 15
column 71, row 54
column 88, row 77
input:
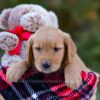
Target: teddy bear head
column 30, row 17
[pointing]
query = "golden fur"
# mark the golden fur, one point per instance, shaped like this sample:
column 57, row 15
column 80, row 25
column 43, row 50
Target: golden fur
column 47, row 39
column 41, row 47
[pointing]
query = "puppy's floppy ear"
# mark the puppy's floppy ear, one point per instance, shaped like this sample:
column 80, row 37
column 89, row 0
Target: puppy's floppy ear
column 30, row 58
column 70, row 48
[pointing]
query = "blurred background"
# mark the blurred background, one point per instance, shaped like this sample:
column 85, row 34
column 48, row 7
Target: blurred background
column 80, row 18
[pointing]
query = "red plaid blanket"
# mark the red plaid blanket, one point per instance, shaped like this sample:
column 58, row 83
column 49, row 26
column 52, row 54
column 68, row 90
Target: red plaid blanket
column 39, row 86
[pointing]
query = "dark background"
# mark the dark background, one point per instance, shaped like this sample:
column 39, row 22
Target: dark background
column 81, row 18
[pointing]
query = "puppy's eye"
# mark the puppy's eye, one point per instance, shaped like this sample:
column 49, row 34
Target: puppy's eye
column 38, row 49
column 56, row 49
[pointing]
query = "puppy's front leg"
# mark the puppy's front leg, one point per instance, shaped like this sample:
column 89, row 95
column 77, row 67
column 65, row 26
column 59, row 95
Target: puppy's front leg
column 16, row 70
column 72, row 77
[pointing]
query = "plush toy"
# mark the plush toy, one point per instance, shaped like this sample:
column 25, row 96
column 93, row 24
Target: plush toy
column 19, row 23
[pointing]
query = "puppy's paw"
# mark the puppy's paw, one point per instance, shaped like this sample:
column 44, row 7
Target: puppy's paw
column 73, row 80
column 14, row 73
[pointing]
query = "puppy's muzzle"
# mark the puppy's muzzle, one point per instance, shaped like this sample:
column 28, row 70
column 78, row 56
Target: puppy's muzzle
column 46, row 64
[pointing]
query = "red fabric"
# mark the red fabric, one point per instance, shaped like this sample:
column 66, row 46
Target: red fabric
column 22, row 35
column 46, row 86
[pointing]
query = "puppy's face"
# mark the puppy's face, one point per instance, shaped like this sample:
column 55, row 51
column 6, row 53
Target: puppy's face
column 47, row 49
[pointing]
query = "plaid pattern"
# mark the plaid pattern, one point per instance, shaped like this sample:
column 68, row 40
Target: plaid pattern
column 38, row 86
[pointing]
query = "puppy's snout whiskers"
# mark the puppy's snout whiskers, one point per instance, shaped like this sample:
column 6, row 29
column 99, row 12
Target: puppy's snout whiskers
column 46, row 64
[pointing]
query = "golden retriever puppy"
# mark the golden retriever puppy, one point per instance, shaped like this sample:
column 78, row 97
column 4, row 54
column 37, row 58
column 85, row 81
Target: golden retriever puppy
column 48, row 50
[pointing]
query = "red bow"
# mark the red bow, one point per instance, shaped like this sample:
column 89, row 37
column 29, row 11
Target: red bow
column 22, row 35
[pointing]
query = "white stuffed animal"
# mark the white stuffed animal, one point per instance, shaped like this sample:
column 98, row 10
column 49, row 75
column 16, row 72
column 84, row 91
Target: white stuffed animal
column 30, row 17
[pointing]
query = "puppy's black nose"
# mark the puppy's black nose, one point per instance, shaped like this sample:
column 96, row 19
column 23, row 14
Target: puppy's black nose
column 46, row 64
